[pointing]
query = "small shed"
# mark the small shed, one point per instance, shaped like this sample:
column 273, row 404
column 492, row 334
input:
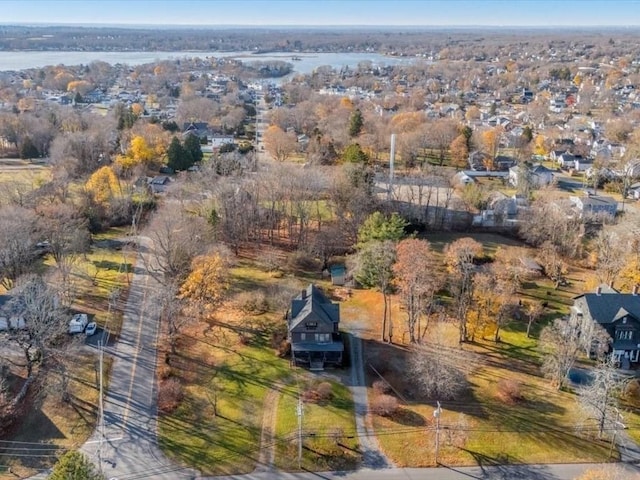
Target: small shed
column 338, row 274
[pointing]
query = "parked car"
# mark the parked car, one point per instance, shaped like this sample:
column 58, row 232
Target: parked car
column 78, row 323
column 91, row 329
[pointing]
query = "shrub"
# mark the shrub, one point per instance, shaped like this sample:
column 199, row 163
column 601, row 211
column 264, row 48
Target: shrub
column 170, row 394
column 380, row 387
column 304, row 261
column 164, row 369
column 510, row 391
column 384, row 405
column 325, row 391
column 318, row 392
column 255, row 303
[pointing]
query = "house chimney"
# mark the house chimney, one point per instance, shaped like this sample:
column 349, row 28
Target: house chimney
column 303, row 293
column 599, row 290
column 635, row 290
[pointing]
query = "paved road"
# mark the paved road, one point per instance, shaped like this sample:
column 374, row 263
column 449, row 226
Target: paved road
column 128, row 448
column 513, row 472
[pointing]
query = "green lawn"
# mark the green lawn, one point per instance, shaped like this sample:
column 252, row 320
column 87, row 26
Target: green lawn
column 223, row 439
column 490, row 241
column 328, row 431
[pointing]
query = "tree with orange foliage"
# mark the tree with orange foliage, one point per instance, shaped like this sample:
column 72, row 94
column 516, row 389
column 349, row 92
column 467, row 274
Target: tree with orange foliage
column 459, row 152
column 459, row 259
column 418, row 280
column 279, row 144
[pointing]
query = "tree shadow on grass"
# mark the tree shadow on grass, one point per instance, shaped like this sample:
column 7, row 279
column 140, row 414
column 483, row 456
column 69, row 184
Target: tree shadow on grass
column 408, row 417
column 110, row 265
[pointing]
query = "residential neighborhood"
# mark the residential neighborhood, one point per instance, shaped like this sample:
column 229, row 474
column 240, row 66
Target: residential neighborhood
column 419, row 259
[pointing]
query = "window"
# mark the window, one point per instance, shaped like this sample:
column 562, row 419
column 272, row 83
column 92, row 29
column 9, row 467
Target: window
column 311, row 325
column 323, row 337
column 624, row 335
column 303, row 336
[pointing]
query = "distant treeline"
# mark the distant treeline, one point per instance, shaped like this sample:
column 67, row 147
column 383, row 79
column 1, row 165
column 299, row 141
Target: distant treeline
column 389, row 40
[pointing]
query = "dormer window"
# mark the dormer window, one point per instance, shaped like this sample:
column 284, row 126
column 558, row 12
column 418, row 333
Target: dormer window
column 311, row 325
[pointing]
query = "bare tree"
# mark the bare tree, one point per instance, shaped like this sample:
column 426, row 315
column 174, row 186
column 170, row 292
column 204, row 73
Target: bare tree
column 18, row 239
column 609, row 261
column 177, row 238
column 459, row 257
column 440, row 134
column 437, row 370
column 560, row 341
column 35, row 305
column 598, row 399
column 533, row 311
column 545, row 222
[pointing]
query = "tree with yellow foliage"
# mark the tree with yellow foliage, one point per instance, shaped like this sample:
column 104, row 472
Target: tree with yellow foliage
column 491, row 141
column 540, row 146
column 406, row 121
column 207, row 282
column 345, row 102
column 139, row 153
column 103, row 185
column 137, row 109
column 79, row 86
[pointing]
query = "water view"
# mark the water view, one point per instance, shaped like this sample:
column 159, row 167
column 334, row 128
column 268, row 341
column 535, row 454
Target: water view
column 302, row 63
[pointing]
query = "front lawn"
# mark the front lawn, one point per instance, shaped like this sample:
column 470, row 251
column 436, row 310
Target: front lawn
column 328, row 428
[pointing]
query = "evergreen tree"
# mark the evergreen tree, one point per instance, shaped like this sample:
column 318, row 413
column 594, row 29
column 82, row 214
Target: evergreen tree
column 74, row 466
column 355, row 123
column 28, row 149
column 354, row 154
column 192, row 145
column 178, row 157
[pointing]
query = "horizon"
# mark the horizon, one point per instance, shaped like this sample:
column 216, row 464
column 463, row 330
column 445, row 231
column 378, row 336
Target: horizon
column 180, row 26
column 324, row 13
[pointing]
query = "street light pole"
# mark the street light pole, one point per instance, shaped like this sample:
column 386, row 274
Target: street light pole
column 436, row 413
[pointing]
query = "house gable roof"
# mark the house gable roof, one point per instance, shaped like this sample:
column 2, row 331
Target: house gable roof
column 608, row 307
column 312, row 305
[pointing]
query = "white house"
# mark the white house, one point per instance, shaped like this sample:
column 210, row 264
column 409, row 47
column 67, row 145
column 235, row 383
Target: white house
column 216, row 141
column 539, row 175
column 582, row 164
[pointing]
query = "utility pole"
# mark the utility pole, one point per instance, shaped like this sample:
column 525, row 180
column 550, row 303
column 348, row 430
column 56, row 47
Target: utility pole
column 436, row 413
column 299, row 413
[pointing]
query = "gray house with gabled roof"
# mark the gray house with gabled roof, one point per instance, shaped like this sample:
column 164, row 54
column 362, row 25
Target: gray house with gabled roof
column 619, row 315
column 312, row 323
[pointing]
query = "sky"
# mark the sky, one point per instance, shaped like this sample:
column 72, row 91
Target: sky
column 325, row 12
